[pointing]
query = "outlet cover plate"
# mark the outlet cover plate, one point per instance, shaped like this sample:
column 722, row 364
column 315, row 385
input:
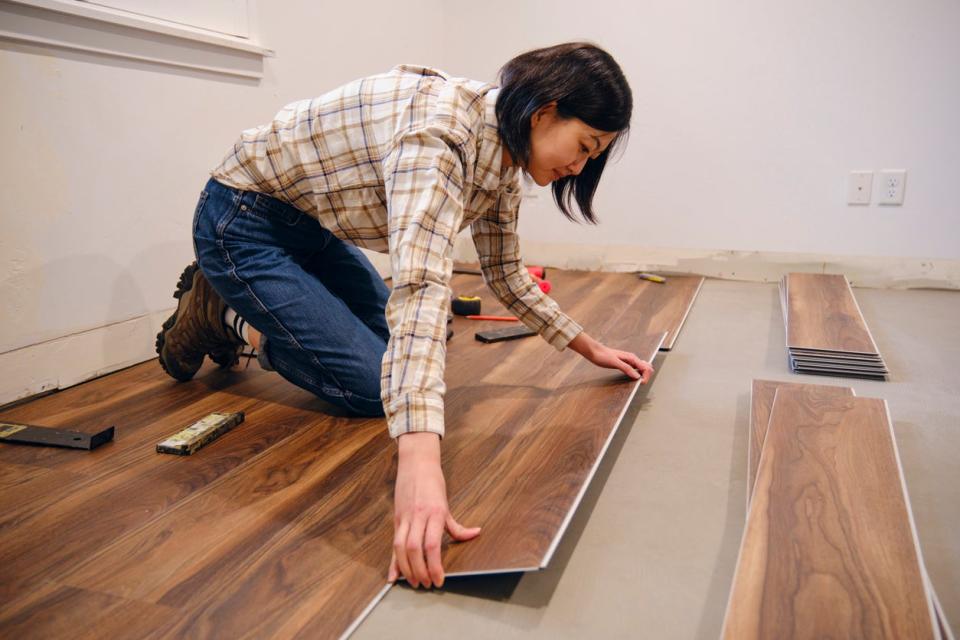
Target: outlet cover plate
column 893, row 182
column 859, row 187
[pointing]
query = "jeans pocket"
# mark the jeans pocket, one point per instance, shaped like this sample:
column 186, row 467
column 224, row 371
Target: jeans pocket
column 269, row 207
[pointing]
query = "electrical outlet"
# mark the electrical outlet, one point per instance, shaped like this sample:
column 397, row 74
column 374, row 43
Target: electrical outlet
column 892, row 185
column 859, row 187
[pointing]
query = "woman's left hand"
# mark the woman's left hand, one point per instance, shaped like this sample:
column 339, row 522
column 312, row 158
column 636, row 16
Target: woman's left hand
column 603, row 356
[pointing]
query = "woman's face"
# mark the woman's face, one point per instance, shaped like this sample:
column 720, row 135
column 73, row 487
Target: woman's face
column 560, row 147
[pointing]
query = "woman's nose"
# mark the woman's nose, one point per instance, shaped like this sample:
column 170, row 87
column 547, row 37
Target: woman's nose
column 577, row 167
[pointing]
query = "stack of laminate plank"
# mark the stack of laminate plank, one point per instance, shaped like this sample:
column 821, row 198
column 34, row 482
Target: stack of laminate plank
column 826, row 332
column 830, row 547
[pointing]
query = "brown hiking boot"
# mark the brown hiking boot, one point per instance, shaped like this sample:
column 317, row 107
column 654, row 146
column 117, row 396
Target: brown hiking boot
column 196, row 329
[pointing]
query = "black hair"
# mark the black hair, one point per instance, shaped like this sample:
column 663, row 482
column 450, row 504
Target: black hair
column 586, row 83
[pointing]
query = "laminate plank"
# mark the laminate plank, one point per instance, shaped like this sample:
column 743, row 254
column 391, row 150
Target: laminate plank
column 54, row 611
column 830, row 549
column 839, row 364
column 662, row 307
column 511, row 424
column 843, row 355
column 822, row 313
column 20, row 486
column 85, row 514
column 838, row 369
column 667, row 305
column 538, row 477
column 253, row 504
column 762, row 393
column 761, row 401
column 283, row 526
column 833, row 373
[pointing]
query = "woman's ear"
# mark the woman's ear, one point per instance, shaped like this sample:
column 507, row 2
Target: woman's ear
column 546, row 111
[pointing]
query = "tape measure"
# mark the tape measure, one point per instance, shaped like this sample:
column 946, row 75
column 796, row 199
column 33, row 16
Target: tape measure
column 465, row 305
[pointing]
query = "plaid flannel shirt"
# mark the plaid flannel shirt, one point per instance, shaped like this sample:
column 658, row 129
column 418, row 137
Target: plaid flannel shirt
column 401, row 162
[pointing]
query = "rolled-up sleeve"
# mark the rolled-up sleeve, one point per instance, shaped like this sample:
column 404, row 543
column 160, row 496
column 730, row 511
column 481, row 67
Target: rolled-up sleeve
column 495, row 237
column 424, row 180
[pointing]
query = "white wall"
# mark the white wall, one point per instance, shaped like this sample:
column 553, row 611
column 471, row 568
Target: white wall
column 748, row 118
column 749, row 115
column 102, row 161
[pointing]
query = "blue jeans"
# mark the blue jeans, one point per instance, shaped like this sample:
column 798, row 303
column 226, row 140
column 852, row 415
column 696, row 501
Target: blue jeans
column 317, row 301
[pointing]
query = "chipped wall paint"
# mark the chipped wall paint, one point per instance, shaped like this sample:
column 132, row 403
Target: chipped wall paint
column 749, row 266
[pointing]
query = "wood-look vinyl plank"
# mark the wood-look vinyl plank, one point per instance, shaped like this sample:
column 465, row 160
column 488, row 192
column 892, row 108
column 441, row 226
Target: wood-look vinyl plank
column 51, row 610
column 662, row 307
column 840, row 355
column 669, row 304
column 761, row 401
column 316, row 576
column 838, row 371
column 538, row 477
column 95, row 514
column 839, row 362
column 145, row 404
column 830, row 364
column 829, row 548
column 822, row 313
column 21, row 484
column 253, row 503
column 498, row 421
column 762, row 393
column 283, row 526
column 835, row 373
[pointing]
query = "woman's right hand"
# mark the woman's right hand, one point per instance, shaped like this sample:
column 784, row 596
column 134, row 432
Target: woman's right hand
column 421, row 513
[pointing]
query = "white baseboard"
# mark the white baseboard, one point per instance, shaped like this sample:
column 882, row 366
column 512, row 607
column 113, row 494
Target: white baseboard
column 751, row 266
column 69, row 360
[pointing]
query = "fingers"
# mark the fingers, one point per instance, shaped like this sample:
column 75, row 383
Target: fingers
column 393, row 573
column 459, row 532
column 413, row 548
column 417, row 549
column 640, row 368
column 400, row 550
column 431, row 547
column 647, row 371
column 628, row 369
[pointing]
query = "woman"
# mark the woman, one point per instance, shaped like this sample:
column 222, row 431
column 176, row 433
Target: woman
column 400, row 163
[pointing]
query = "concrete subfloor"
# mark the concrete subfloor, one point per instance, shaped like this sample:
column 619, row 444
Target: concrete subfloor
column 651, row 551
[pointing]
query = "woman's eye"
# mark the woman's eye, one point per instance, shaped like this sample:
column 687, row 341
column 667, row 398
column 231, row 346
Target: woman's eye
column 583, row 149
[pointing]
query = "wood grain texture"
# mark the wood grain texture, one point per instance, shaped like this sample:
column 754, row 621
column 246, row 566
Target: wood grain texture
column 538, row 411
column 762, row 393
column 283, row 526
column 829, row 548
column 666, row 306
column 823, row 314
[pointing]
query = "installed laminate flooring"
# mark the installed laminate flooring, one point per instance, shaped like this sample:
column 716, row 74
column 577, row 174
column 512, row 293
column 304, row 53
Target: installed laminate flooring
column 527, row 408
column 283, row 526
column 830, row 482
column 666, row 306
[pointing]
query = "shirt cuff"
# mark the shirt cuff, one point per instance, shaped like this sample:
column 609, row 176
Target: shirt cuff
column 415, row 413
column 561, row 331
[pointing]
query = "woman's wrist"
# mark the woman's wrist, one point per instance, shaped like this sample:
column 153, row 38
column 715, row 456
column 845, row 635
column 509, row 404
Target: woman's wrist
column 583, row 344
column 420, row 445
